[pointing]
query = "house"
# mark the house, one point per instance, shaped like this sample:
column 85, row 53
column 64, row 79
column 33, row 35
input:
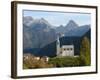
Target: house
column 37, row 58
column 44, row 58
column 27, row 56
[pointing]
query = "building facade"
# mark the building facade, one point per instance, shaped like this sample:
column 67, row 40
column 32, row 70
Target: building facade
column 64, row 50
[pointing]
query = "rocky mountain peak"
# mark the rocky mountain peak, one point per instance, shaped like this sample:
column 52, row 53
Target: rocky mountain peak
column 71, row 24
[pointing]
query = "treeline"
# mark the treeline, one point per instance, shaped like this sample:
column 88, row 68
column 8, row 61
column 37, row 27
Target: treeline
column 84, row 58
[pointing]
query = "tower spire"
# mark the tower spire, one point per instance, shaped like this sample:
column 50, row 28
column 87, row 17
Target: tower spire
column 58, row 46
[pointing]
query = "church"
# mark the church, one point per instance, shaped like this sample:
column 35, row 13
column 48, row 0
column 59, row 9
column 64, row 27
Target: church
column 64, row 46
column 64, row 50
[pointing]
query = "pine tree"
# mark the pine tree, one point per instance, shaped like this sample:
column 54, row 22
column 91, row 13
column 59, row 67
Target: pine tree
column 85, row 56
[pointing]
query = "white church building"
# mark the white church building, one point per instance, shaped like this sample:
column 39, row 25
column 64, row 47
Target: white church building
column 64, row 50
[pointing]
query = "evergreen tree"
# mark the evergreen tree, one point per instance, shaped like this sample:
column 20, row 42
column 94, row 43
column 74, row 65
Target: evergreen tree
column 85, row 57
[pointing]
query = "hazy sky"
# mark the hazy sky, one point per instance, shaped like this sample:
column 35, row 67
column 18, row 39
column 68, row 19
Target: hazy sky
column 60, row 18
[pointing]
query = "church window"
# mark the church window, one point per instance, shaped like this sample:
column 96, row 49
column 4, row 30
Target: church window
column 67, row 48
column 71, row 49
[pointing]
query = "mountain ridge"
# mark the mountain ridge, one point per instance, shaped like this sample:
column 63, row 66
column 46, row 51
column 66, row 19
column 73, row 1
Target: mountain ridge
column 38, row 33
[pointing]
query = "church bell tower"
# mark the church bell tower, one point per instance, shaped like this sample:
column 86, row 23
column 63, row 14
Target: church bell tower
column 58, row 46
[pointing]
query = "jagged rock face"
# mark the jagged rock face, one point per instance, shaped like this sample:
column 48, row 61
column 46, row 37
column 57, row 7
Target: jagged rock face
column 78, row 32
column 39, row 36
column 71, row 25
column 63, row 29
column 37, row 33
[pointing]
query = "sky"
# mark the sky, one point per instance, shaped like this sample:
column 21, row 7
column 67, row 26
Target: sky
column 59, row 18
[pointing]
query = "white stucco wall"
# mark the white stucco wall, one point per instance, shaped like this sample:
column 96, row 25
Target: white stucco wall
column 68, row 50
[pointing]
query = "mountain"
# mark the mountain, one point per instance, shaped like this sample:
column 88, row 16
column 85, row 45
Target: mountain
column 28, row 20
column 39, row 36
column 37, row 33
column 80, row 31
column 63, row 29
column 60, row 29
column 71, row 25
column 50, row 49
